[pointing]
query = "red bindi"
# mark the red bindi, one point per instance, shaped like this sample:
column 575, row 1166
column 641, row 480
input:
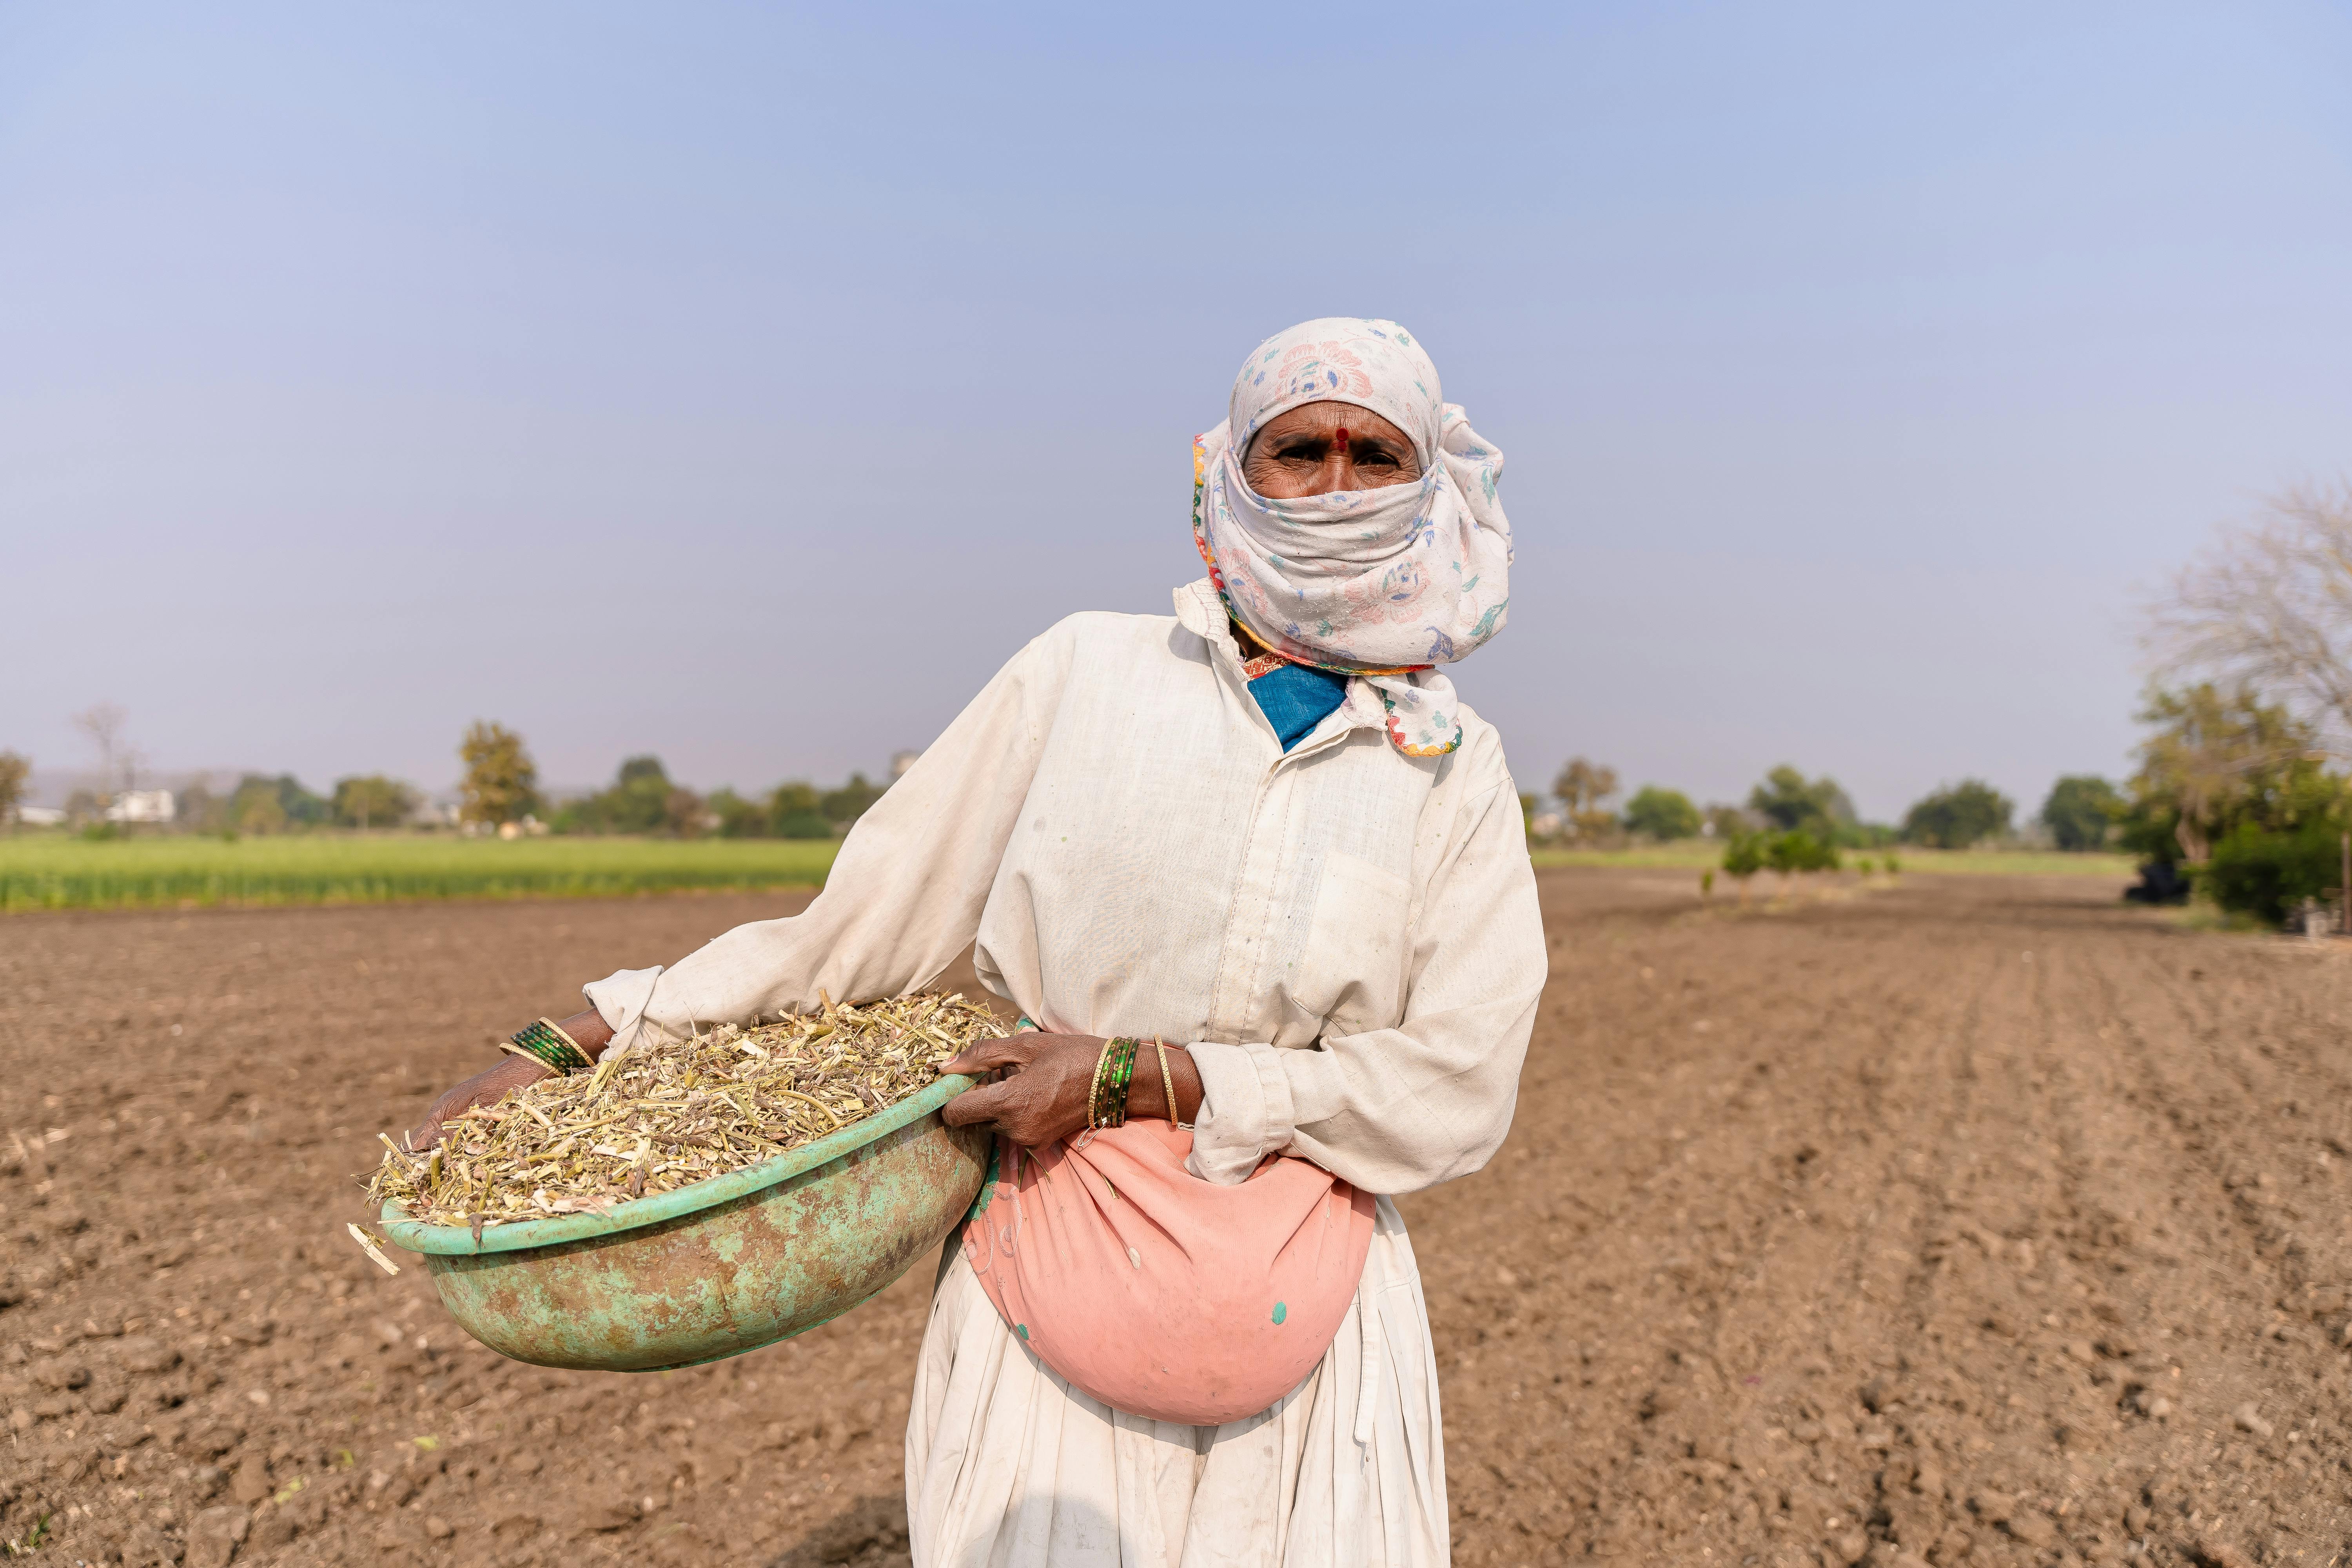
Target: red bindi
column 1343, row 437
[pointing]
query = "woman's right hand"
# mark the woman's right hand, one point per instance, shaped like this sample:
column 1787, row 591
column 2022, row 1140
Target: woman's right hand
column 485, row 1087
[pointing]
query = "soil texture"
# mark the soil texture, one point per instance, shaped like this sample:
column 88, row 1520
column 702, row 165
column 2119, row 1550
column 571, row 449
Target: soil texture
column 1976, row 1220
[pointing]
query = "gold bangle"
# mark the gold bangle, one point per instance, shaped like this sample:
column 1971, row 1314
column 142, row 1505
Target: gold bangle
column 1168, row 1087
column 1094, row 1094
column 586, row 1057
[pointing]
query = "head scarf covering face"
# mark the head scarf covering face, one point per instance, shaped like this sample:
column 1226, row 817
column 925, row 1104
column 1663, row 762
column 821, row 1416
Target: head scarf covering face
column 1379, row 583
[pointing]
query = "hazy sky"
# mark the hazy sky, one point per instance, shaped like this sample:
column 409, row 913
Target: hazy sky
column 743, row 384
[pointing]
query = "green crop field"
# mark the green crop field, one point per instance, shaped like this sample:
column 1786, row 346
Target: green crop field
column 1698, row 855
column 50, row 871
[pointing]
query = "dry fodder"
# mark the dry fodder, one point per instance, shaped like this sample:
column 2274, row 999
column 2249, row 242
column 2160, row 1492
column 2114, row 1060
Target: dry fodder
column 662, row 1117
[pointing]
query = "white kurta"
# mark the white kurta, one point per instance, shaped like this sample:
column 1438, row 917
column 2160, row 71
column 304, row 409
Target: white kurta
column 1348, row 937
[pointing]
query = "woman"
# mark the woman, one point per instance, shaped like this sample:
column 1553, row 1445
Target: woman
column 1264, row 827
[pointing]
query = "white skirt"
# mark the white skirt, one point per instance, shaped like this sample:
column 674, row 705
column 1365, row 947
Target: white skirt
column 1009, row 1467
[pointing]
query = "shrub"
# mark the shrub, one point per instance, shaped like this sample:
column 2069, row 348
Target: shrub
column 1791, row 802
column 803, row 824
column 2268, row 873
column 1742, row 858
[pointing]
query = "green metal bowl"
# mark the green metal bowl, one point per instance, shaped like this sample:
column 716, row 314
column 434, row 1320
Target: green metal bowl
column 719, row 1268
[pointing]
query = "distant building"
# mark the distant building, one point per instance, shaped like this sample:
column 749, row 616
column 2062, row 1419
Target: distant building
column 40, row 816
column 901, row 762
column 142, row 805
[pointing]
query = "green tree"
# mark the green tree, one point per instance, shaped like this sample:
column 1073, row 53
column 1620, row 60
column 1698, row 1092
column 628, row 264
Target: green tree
column 793, row 811
column 501, row 782
column 2080, row 812
column 291, row 805
column 372, row 801
column 1793, row 803
column 1798, row 850
column 1582, row 788
column 2215, row 758
column 13, row 771
column 851, row 801
column 641, row 799
column 1958, row 816
column 257, row 811
column 737, row 817
column 1661, row 813
column 2238, row 790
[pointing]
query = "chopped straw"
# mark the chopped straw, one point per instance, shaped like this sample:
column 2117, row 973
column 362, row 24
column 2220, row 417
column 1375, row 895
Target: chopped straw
column 663, row 1116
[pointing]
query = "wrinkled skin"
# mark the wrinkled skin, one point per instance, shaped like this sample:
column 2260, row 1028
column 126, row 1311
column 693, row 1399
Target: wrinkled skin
column 1319, row 448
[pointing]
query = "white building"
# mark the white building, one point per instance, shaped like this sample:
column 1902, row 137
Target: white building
column 40, row 816
column 142, row 805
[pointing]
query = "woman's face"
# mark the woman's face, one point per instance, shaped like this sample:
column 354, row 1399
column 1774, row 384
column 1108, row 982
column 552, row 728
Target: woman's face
column 1320, row 448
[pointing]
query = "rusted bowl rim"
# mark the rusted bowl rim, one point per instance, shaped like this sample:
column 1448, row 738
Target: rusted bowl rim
column 417, row 1236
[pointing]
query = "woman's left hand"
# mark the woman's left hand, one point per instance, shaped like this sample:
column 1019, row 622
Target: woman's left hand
column 1042, row 1095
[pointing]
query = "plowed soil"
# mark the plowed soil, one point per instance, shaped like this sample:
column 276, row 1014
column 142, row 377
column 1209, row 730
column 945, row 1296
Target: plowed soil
column 1971, row 1221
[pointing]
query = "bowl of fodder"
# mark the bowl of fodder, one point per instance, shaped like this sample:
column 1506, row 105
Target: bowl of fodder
column 691, row 1201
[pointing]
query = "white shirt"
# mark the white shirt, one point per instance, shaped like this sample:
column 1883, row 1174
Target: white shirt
column 1346, row 935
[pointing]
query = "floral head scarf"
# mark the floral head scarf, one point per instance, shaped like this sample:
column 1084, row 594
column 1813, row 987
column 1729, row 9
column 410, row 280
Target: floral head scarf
column 1381, row 583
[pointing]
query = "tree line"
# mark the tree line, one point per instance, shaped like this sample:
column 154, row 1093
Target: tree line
column 499, row 791
column 2079, row 813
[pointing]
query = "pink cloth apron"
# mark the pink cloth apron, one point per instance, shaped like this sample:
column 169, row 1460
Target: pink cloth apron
column 1158, row 1293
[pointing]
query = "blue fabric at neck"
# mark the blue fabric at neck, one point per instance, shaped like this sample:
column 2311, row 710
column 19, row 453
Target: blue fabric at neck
column 1295, row 699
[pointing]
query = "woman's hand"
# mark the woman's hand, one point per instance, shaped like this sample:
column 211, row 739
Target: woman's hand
column 1048, row 1080
column 1042, row 1095
column 485, row 1087
column 588, row 1031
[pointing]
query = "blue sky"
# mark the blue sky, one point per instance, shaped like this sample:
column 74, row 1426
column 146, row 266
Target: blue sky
column 744, row 384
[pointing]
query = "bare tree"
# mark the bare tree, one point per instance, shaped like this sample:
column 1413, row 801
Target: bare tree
column 2270, row 607
column 13, row 771
column 1581, row 787
column 118, row 763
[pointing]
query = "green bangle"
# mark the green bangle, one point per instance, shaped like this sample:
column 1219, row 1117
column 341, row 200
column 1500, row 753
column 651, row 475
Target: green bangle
column 547, row 1042
column 1122, row 1053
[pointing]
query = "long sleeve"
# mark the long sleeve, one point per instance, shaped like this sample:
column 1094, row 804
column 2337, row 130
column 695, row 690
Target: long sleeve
column 904, row 895
column 1393, row 1110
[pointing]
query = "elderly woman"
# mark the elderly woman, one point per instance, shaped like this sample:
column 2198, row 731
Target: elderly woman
column 1259, row 878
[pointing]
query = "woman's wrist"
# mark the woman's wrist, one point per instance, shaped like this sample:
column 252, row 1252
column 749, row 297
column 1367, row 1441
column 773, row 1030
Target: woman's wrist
column 571, row 1045
column 1154, row 1095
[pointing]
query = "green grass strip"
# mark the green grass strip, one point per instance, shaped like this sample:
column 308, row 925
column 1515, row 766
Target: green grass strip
column 51, row 871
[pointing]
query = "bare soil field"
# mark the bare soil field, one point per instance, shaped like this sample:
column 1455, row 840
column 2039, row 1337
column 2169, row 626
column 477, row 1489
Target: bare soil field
column 1982, row 1220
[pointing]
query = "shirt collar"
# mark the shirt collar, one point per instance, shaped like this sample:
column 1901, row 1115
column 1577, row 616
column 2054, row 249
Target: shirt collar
column 1199, row 611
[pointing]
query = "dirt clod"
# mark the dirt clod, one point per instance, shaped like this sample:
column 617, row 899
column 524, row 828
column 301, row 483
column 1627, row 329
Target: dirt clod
column 214, row 1534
